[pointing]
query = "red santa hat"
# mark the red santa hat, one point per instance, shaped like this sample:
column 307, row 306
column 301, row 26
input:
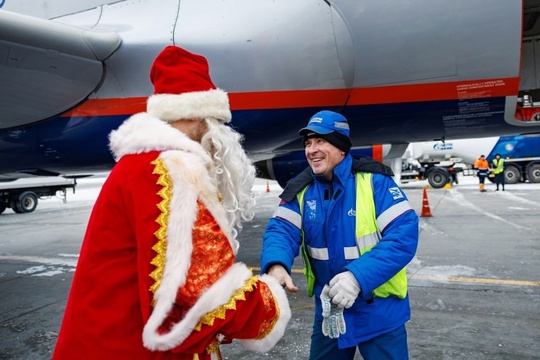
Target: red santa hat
column 183, row 88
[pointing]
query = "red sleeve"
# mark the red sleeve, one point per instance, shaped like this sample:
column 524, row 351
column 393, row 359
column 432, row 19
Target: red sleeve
column 257, row 313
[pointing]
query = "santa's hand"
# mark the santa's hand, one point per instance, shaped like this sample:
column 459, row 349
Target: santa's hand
column 344, row 289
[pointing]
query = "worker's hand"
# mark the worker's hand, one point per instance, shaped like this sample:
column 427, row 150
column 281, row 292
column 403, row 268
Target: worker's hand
column 344, row 289
column 333, row 323
column 280, row 273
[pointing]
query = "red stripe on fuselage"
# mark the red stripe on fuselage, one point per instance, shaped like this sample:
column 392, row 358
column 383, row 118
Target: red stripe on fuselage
column 377, row 151
column 458, row 90
column 266, row 100
column 109, row 107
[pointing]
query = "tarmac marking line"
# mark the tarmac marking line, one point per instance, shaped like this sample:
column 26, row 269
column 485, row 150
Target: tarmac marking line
column 478, row 280
column 453, row 279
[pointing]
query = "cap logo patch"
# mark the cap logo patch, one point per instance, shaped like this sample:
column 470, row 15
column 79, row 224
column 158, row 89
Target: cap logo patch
column 316, row 120
column 341, row 125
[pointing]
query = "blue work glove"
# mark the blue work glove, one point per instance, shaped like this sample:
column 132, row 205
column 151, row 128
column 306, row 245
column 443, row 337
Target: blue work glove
column 344, row 289
column 333, row 323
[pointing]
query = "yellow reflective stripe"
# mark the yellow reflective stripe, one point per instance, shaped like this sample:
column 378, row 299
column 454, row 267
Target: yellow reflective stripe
column 318, row 253
column 391, row 213
column 289, row 215
column 368, row 241
column 365, row 225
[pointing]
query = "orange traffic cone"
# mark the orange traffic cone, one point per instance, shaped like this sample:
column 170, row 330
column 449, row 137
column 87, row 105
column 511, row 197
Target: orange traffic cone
column 426, row 212
column 267, row 186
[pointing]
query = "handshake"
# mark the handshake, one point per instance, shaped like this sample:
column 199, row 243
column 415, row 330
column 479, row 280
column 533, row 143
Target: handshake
column 339, row 294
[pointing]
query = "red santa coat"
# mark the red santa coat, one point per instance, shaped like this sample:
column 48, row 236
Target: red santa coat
column 156, row 277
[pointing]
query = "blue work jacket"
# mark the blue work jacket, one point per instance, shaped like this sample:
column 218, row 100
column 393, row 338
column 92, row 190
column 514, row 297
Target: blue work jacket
column 328, row 220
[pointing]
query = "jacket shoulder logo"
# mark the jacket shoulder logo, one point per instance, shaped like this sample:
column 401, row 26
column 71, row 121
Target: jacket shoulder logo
column 396, row 193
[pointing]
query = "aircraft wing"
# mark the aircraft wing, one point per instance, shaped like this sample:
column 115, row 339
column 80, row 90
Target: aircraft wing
column 47, row 67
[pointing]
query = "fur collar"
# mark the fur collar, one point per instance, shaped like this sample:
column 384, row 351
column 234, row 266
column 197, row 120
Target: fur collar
column 143, row 133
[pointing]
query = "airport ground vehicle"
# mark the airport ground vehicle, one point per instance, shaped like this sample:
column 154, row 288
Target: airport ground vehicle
column 437, row 172
column 22, row 195
column 436, row 161
column 522, row 157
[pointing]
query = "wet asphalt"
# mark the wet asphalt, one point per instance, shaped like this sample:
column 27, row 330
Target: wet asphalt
column 474, row 284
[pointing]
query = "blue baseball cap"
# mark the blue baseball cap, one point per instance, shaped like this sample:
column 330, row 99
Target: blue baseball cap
column 326, row 122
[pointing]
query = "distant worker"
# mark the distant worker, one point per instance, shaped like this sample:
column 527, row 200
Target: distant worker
column 482, row 171
column 157, row 276
column 356, row 231
column 498, row 170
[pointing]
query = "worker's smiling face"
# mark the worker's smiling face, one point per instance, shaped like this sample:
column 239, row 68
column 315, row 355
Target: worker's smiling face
column 322, row 156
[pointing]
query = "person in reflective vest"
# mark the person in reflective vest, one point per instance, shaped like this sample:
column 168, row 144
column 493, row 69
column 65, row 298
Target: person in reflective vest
column 357, row 232
column 498, row 170
column 482, row 171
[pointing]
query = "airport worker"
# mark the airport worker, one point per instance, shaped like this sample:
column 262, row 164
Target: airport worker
column 482, row 171
column 157, row 276
column 498, row 171
column 356, row 231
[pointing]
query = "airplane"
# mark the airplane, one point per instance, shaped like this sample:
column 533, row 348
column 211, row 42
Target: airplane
column 399, row 71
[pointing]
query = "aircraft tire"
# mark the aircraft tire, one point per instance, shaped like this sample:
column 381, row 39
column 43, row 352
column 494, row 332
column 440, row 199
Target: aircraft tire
column 2, row 208
column 512, row 174
column 27, row 202
column 533, row 173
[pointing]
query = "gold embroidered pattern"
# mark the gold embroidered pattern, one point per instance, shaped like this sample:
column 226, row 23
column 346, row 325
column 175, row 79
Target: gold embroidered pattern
column 219, row 313
column 212, row 255
column 213, row 348
column 160, row 247
column 271, row 307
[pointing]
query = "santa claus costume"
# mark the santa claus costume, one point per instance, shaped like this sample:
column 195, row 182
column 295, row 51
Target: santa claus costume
column 157, row 277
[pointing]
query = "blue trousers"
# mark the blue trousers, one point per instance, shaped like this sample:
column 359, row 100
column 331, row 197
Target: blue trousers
column 389, row 346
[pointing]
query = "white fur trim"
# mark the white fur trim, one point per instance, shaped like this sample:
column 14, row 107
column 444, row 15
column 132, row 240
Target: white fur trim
column 192, row 181
column 217, row 295
column 190, row 105
column 143, row 133
column 267, row 343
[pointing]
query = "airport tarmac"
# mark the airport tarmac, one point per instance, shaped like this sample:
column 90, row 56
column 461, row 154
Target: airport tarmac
column 474, row 283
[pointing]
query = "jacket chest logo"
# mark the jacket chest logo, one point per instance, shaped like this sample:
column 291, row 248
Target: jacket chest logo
column 311, row 209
